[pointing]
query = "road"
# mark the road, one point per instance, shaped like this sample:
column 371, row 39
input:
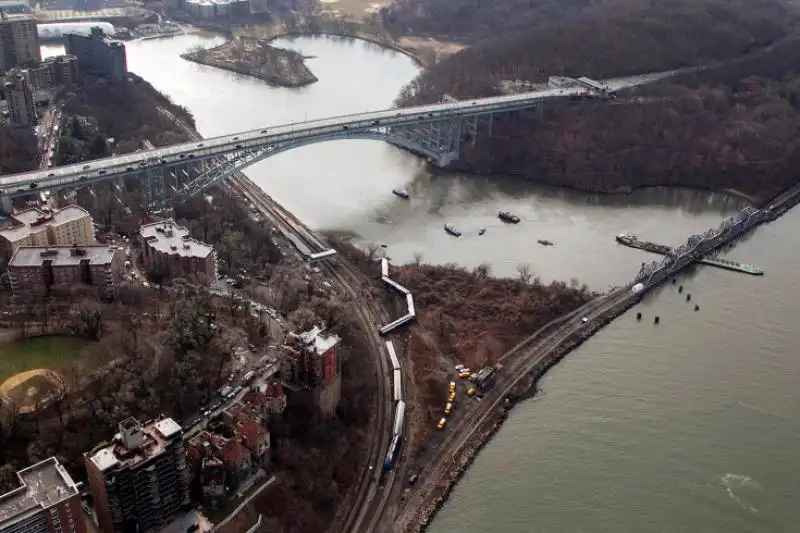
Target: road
column 48, row 139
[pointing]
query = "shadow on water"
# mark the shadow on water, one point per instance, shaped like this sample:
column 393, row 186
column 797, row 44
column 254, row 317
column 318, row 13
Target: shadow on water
column 693, row 201
column 431, row 191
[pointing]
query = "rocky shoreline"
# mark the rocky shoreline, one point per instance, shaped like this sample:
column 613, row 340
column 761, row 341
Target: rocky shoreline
column 440, row 495
column 256, row 58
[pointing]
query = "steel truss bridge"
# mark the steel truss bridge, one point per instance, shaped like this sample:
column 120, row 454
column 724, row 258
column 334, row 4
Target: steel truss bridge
column 435, row 131
column 713, row 240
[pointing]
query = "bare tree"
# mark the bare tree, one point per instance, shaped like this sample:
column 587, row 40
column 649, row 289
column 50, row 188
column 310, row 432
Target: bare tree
column 484, row 270
column 372, row 251
column 59, row 395
column 525, row 273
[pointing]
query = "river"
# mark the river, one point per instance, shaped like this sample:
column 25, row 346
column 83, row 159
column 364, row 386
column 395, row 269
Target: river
column 692, row 425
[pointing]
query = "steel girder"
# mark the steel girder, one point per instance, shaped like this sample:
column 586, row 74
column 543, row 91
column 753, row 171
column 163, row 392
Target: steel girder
column 438, row 142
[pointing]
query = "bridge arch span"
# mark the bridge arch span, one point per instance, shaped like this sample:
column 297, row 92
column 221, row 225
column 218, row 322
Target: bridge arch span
column 249, row 157
column 397, row 140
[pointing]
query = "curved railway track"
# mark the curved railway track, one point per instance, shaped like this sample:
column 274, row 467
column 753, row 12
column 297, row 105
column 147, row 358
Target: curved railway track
column 359, row 504
column 364, row 513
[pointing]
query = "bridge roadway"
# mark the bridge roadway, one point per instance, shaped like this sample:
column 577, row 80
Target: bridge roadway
column 315, row 130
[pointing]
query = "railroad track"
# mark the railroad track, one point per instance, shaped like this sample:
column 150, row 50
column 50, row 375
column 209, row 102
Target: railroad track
column 536, row 350
column 369, row 313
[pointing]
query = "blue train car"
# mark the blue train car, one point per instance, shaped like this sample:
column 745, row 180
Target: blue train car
column 392, row 453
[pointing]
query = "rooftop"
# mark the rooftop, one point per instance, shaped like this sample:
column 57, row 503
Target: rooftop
column 274, row 389
column 170, row 238
column 25, row 221
column 12, row 17
column 42, row 485
column 134, row 444
column 316, row 341
column 252, row 431
column 234, row 451
column 33, row 256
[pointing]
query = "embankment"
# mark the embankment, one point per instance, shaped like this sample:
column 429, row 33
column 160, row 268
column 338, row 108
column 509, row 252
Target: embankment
column 523, row 387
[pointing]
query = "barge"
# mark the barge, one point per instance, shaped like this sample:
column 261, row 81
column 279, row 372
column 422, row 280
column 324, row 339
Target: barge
column 506, row 216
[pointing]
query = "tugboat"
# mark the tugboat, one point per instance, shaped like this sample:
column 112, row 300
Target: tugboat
column 505, row 216
column 451, row 229
column 627, row 240
column 482, row 231
column 545, row 242
column 402, row 193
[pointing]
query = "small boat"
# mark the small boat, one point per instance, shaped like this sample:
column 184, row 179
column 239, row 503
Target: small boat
column 506, row 216
column 482, row 231
column 402, row 193
column 545, row 242
column 451, row 229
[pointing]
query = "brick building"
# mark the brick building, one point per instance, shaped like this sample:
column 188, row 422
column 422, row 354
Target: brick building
column 312, row 363
column 54, row 72
column 166, row 244
column 19, row 41
column 47, row 501
column 69, row 226
column 37, row 271
column 140, row 480
column 19, row 95
column 98, row 54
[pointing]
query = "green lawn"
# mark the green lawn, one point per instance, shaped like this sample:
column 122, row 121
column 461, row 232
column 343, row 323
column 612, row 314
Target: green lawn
column 51, row 352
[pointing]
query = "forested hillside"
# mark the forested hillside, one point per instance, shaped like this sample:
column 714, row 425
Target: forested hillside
column 613, row 39
column 470, row 21
column 731, row 127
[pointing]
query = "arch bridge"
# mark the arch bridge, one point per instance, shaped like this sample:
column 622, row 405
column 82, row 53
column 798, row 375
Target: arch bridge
column 435, row 131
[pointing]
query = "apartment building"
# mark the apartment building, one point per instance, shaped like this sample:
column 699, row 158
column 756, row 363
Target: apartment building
column 70, row 226
column 19, row 95
column 46, row 501
column 58, row 71
column 313, row 364
column 169, row 245
column 98, row 54
column 35, row 272
column 140, row 480
column 19, row 41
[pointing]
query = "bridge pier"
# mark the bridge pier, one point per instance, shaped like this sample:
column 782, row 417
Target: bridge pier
column 6, row 205
column 154, row 191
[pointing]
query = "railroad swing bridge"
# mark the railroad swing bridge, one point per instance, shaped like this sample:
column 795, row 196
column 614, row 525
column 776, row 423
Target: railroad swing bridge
column 699, row 245
column 435, row 131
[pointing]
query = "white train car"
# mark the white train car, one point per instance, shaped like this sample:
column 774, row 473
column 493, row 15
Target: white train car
column 391, row 326
column 398, row 386
column 384, row 267
column 410, row 303
column 399, row 418
column 396, row 286
column 313, row 258
column 392, row 355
